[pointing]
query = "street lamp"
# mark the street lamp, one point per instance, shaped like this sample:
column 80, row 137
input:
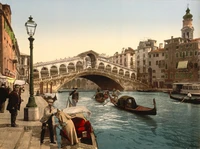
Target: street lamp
column 31, row 110
column 31, row 27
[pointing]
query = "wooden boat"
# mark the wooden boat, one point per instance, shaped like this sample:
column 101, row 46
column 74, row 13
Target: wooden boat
column 181, row 98
column 128, row 103
column 146, row 90
column 101, row 96
column 84, row 129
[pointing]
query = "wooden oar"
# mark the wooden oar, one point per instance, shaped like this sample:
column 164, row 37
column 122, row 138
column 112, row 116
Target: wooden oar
column 106, row 103
column 183, row 99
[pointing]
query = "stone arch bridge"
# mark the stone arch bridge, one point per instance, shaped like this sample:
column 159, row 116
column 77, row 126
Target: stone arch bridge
column 89, row 65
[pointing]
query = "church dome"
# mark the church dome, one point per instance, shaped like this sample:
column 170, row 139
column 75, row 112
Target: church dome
column 188, row 15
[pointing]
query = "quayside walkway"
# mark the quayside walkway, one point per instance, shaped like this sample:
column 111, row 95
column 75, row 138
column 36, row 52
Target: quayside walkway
column 27, row 134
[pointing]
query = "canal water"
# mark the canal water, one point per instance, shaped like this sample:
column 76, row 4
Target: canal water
column 176, row 125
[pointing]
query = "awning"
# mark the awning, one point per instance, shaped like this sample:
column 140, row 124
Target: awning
column 10, row 80
column 20, row 82
column 182, row 64
column 3, row 78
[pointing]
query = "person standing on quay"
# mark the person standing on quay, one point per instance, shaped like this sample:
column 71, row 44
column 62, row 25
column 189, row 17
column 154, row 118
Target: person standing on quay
column 47, row 120
column 75, row 96
column 3, row 96
column 13, row 106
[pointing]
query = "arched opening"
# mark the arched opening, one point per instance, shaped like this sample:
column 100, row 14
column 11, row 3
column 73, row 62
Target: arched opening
column 115, row 70
column 63, row 69
column 53, row 71
column 35, row 74
column 121, row 72
column 101, row 66
column 71, row 67
column 127, row 74
column 79, row 66
column 108, row 68
column 44, row 72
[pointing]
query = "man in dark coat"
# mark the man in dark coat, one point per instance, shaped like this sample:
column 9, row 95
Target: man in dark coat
column 14, row 104
column 3, row 96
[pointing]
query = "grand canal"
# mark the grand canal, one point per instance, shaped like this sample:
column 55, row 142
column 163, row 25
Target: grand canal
column 176, row 125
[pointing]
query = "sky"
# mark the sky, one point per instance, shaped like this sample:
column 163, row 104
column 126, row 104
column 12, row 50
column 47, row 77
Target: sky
column 66, row 28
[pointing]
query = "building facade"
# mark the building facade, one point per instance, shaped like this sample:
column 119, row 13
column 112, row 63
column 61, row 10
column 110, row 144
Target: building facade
column 9, row 50
column 182, row 55
column 142, row 59
column 23, row 66
column 126, row 58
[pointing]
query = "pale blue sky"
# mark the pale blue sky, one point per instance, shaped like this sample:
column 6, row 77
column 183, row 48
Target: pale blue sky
column 69, row 27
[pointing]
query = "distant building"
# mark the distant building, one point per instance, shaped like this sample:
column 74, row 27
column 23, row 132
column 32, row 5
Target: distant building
column 9, row 50
column 23, row 66
column 126, row 58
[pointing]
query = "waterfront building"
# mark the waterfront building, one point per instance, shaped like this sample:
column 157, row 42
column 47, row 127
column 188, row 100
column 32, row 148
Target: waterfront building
column 182, row 55
column 156, row 67
column 142, row 59
column 9, row 50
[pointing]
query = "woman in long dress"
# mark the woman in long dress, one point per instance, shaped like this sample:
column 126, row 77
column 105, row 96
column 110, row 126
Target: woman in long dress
column 67, row 127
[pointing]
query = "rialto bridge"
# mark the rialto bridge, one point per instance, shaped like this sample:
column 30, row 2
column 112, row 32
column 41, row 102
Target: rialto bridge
column 51, row 76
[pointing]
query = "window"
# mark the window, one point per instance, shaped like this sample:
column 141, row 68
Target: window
column 149, row 63
column 156, row 62
column 191, row 53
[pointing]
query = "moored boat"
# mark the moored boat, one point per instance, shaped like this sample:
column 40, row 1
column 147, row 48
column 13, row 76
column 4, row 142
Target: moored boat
column 84, row 130
column 183, row 98
column 128, row 103
column 185, row 88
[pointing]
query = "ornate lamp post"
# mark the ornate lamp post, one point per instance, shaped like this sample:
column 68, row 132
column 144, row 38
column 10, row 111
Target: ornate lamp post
column 31, row 105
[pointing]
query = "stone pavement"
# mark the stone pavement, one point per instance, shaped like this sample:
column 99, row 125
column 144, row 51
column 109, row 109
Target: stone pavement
column 27, row 135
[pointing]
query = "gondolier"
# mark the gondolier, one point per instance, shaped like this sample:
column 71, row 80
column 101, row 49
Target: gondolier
column 75, row 96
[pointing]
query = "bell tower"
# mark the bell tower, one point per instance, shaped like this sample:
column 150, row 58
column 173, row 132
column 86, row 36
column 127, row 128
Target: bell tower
column 187, row 29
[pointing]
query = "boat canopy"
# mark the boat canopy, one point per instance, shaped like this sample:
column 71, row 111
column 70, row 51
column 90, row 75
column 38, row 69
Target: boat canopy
column 76, row 110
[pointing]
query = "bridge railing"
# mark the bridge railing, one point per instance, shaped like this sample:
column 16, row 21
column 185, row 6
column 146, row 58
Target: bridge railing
column 76, row 73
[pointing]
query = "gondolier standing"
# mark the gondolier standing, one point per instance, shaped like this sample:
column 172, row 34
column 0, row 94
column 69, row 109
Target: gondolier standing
column 75, row 96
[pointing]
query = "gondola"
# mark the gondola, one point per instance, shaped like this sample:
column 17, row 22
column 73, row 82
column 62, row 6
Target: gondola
column 186, row 99
column 101, row 97
column 128, row 103
column 83, row 128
